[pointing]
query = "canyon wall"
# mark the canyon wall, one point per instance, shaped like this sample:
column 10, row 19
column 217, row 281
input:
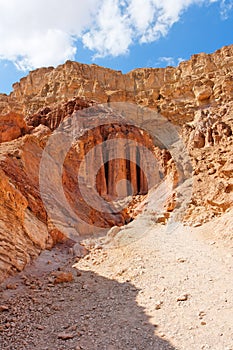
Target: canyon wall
column 196, row 96
column 206, row 79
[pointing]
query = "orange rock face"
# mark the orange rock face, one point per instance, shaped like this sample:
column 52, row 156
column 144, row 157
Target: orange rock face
column 26, row 228
column 12, row 126
column 175, row 92
column 197, row 96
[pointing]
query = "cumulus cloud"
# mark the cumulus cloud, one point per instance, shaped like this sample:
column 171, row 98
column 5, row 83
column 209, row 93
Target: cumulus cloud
column 42, row 32
column 46, row 32
column 111, row 33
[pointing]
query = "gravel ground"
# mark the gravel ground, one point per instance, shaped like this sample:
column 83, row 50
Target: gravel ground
column 142, row 289
column 89, row 312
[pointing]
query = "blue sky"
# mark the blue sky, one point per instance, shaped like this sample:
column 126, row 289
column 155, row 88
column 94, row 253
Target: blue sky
column 120, row 34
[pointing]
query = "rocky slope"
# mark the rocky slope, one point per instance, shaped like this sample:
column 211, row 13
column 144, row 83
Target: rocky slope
column 197, row 97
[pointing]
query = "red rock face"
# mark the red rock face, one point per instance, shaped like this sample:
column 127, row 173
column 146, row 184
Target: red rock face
column 26, row 226
column 53, row 116
column 122, row 163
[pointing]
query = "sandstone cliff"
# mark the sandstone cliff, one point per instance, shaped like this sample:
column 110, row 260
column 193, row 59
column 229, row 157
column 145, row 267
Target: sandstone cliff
column 206, row 79
column 197, row 96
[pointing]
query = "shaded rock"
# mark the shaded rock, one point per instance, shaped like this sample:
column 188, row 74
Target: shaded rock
column 79, row 251
column 63, row 277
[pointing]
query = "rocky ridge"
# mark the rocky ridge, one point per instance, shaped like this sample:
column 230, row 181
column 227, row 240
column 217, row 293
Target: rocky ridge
column 204, row 80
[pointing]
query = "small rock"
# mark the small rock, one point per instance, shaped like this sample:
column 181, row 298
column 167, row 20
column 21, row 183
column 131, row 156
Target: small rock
column 11, row 286
column 197, row 224
column 79, row 251
column 66, row 336
column 4, row 308
column 40, row 328
column 27, row 283
column 203, row 323
column 158, row 305
column 85, row 287
column 201, row 314
column 161, row 219
column 50, row 279
column 62, row 277
column 183, row 297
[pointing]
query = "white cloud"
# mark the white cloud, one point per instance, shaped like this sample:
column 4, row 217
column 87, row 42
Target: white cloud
column 42, row 32
column 45, row 32
column 180, row 59
column 169, row 61
column 226, row 8
column 111, row 34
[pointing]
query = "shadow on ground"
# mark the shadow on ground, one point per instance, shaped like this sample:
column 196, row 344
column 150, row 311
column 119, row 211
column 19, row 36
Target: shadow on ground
column 92, row 312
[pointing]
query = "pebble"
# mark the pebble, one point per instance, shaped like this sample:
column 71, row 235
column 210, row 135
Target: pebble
column 11, row 286
column 201, row 314
column 158, row 305
column 40, row 328
column 197, row 224
column 63, row 277
column 183, row 297
column 4, row 308
column 66, row 336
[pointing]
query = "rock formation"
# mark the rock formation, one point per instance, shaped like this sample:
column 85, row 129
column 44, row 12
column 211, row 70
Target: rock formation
column 196, row 96
column 25, row 225
column 206, row 79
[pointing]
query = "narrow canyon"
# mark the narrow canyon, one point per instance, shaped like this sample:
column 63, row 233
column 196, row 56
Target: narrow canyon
column 150, row 147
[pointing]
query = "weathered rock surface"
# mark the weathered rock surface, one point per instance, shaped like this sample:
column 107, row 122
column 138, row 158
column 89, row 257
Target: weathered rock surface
column 210, row 143
column 12, row 126
column 25, row 226
column 175, row 92
column 197, row 96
